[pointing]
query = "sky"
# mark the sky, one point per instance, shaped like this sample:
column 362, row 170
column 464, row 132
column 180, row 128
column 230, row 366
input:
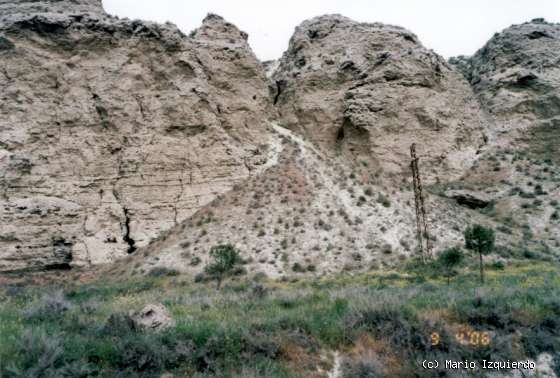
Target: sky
column 450, row 27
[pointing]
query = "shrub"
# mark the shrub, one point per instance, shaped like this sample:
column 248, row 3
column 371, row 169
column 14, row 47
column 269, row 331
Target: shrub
column 296, row 267
column 529, row 255
column 481, row 240
column 505, row 229
column 449, row 260
column 383, row 200
column 363, row 368
column 498, row 265
column 225, row 258
column 161, row 271
column 50, row 307
column 400, row 326
column 195, row 261
column 258, row 292
column 119, row 325
column 42, row 355
column 542, row 337
column 539, row 190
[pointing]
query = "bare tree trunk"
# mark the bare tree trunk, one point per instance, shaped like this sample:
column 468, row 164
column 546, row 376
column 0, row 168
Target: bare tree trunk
column 218, row 282
column 481, row 268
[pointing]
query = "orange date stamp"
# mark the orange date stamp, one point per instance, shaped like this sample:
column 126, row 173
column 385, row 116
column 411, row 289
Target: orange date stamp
column 469, row 338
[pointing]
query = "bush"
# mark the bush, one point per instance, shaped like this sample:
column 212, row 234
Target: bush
column 162, row 271
column 296, row 267
column 539, row 190
column 529, row 255
column 119, row 325
column 195, row 261
column 383, row 200
column 363, row 368
column 542, row 338
column 258, row 292
column 449, row 260
column 147, row 354
column 225, row 258
column 51, row 307
column 400, row 326
column 42, row 355
column 498, row 265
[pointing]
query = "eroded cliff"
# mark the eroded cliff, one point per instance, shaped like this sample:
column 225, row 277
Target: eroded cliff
column 113, row 131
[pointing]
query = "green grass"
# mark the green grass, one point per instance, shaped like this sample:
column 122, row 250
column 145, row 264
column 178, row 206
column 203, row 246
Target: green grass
column 236, row 332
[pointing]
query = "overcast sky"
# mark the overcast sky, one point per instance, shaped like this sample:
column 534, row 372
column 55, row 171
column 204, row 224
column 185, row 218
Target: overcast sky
column 450, row 27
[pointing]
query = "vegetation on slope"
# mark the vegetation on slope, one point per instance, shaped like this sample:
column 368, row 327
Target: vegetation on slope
column 379, row 323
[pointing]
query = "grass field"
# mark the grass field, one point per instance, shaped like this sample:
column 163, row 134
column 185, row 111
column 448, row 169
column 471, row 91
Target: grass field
column 379, row 324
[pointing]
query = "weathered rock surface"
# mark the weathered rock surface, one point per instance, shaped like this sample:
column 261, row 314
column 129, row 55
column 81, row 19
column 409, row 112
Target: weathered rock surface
column 517, row 78
column 469, row 198
column 122, row 137
column 112, row 131
column 333, row 196
column 372, row 90
column 12, row 10
column 153, row 317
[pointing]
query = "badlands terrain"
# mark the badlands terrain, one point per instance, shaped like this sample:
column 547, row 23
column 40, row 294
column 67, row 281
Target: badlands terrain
column 129, row 149
column 129, row 139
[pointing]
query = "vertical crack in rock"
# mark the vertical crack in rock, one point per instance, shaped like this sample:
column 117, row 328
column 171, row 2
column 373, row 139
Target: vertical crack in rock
column 180, row 194
column 101, row 111
column 127, row 239
column 4, row 186
column 340, row 135
column 6, row 74
column 86, row 233
column 119, row 133
column 279, row 88
column 140, row 107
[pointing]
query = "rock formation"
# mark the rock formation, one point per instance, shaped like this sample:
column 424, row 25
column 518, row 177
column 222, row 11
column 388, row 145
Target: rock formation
column 112, row 131
column 153, row 317
column 338, row 194
column 517, row 78
column 127, row 138
column 373, row 90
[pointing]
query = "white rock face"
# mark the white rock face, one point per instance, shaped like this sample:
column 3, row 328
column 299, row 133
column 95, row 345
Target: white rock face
column 371, row 90
column 517, row 77
column 113, row 131
column 11, row 10
column 335, row 193
column 123, row 137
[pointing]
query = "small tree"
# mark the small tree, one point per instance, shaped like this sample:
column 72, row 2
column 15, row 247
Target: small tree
column 481, row 240
column 449, row 260
column 225, row 258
